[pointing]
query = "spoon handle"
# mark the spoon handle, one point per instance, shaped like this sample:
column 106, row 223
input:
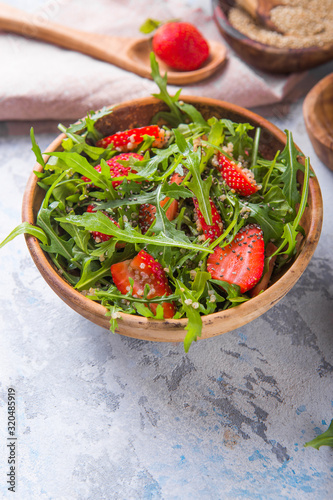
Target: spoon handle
column 251, row 6
column 104, row 47
column 260, row 10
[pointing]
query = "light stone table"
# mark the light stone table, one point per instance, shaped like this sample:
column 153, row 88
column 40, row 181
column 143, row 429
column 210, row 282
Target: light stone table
column 102, row 416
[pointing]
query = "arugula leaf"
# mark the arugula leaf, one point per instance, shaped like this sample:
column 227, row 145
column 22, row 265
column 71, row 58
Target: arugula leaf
column 215, row 138
column 89, row 276
column 176, row 191
column 262, row 215
column 276, row 201
column 200, row 283
column 194, row 320
column 193, row 113
column 57, row 244
column 162, row 223
column 291, row 229
column 86, row 123
column 201, row 190
column 143, row 310
column 289, row 158
column 75, row 143
column 241, row 140
column 174, row 117
column 149, row 25
column 81, row 165
column 197, row 185
column 114, row 313
column 81, row 237
column 193, row 327
column 36, row 149
column 97, row 221
column 151, row 165
column 324, row 439
column 25, row 228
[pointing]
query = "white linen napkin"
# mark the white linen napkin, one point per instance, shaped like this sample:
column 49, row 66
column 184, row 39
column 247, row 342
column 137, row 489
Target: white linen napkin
column 40, row 81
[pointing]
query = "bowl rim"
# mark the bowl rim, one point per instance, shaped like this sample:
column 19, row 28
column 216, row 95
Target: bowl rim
column 172, row 330
column 234, row 33
column 316, row 127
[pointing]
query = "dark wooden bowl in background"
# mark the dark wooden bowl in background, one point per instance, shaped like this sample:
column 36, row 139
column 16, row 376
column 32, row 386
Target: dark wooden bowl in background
column 318, row 117
column 266, row 57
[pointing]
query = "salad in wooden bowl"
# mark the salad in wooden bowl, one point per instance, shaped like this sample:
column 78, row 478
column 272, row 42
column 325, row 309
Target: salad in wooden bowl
column 171, row 218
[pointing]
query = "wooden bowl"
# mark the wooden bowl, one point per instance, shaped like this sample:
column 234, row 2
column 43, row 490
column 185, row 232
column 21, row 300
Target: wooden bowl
column 318, row 117
column 266, row 57
column 139, row 113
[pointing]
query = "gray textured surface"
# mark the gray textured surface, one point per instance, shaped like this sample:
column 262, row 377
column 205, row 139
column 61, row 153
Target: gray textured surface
column 107, row 417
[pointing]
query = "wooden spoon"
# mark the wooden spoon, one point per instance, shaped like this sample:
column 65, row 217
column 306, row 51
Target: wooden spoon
column 260, row 10
column 132, row 54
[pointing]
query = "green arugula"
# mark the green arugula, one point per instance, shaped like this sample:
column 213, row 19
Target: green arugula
column 149, row 25
column 197, row 185
column 324, row 439
column 87, row 125
column 36, row 149
column 25, row 228
column 97, row 221
column 64, row 225
column 174, row 116
column 56, row 244
column 289, row 156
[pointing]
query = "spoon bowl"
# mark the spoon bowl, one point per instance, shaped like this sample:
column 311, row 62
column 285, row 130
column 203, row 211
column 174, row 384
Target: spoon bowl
column 131, row 54
column 139, row 53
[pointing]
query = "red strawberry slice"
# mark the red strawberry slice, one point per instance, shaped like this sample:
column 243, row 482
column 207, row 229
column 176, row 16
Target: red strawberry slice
column 147, row 212
column 210, row 231
column 180, row 45
column 237, row 177
column 242, row 262
column 98, row 237
column 117, row 169
column 263, row 283
column 144, row 269
column 130, row 139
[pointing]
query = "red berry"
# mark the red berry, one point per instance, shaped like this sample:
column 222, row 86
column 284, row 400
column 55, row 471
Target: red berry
column 144, row 269
column 147, row 212
column 242, row 262
column 117, row 169
column 130, row 139
column 98, row 237
column 181, row 46
column 238, row 178
column 213, row 231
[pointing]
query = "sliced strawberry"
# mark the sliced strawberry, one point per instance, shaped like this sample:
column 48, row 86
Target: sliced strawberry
column 144, row 269
column 263, row 283
column 237, row 177
column 147, row 212
column 216, row 229
column 130, row 139
column 242, row 262
column 117, row 169
column 98, row 237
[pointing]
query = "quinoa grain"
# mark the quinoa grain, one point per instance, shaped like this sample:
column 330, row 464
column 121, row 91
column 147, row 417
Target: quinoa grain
column 303, row 24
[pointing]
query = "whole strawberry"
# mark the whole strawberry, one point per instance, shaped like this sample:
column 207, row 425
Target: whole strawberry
column 180, row 45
